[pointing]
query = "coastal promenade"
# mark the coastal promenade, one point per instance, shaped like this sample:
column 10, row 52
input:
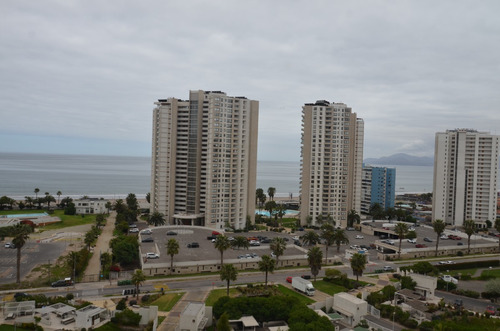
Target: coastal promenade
column 93, row 271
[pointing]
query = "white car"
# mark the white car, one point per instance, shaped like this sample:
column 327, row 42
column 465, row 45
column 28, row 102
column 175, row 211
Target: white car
column 443, row 237
column 359, row 237
column 354, row 247
column 133, row 230
column 448, row 278
column 412, row 241
column 390, row 242
column 147, row 231
column 152, row 256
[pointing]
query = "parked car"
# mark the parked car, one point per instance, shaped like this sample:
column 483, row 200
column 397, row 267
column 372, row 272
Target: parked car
column 490, row 310
column 460, row 243
column 10, row 245
column 444, row 237
column 412, row 241
column 147, row 231
column 306, row 276
column 429, row 240
column 390, row 242
column 289, row 279
column 254, row 243
column 208, row 238
column 193, row 245
column 266, row 241
column 448, row 278
column 351, row 229
column 62, row 282
column 147, row 240
column 171, row 233
column 359, row 237
column 133, row 230
column 420, row 246
column 152, row 256
column 297, row 243
column 388, row 268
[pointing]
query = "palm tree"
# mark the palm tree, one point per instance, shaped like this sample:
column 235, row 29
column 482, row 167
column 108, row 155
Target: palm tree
column 108, row 206
column 270, row 206
column 100, row 220
column 36, row 192
column 266, row 264
column 270, row 192
column 278, row 246
column 469, row 229
column 309, row 220
column 260, row 197
column 497, row 227
column 240, row 241
column 172, row 249
column 156, row 219
column 314, row 258
column 401, row 229
column 59, row 193
column 119, row 206
column 376, row 211
column 148, row 197
column 327, row 233
column 21, row 235
column 228, row 273
column 137, row 279
column 352, row 217
column 48, row 199
column 222, row 243
column 339, row 237
column 29, row 201
column 310, row 238
column 319, row 219
column 358, row 263
column 280, row 211
column 330, row 220
column 438, row 226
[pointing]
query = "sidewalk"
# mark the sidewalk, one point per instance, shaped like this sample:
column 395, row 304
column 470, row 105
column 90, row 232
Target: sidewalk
column 102, row 246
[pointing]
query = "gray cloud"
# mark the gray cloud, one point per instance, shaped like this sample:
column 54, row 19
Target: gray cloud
column 92, row 70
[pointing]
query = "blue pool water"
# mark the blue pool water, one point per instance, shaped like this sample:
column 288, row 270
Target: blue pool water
column 25, row 215
column 287, row 212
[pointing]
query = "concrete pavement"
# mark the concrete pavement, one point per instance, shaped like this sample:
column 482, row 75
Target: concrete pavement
column 102, row 246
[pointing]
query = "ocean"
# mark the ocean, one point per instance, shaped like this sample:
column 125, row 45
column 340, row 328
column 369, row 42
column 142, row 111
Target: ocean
column 116, row 176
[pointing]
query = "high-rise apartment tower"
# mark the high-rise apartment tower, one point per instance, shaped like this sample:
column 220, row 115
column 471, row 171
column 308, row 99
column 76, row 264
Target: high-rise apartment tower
column 378, row 185
column 465, row 176
column 204, row 159
column 331, row 162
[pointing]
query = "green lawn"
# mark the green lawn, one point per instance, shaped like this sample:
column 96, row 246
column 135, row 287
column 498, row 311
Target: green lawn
column 167, row 301
column 286, row 291
column 219, row 293
column 69, row 220
column 109, row 327
column 328, row 287
column 492, row 273
column 6, row 327
column 454, row 273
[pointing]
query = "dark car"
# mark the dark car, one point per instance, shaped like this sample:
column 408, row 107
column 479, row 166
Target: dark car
column 147, row 240
column 62, row 283
column 297, row 243
column 171, row 233
column 20, row 295
column 306, row 276
column 265, row 241
column 193, row 245
column 460, row 243
column 211, row 237
column 428, row 239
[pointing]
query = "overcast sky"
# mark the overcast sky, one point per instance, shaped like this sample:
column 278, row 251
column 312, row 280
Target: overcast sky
column 81, row 77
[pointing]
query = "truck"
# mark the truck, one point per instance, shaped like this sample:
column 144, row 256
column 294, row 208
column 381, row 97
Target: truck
column 303, row 285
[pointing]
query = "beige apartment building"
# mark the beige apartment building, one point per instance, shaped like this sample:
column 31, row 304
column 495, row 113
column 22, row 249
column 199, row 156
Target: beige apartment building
column 465, row 176
column 204, row 159
column 331, row 162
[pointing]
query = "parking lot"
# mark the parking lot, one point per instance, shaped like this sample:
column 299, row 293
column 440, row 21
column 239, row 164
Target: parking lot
column 206, row 250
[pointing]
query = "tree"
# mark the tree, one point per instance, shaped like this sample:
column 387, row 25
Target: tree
column 228, row 273
column 497, row 227
column 352, row 217
column 309, row 220
column 358, row 263
column 148, row 197
column 48, row 199
column 137, row 279
column 278, row 246
column 223, row 323
column 401, row 229
column 438, row 226
column 266, row 264
column 172, row 249
column 21, row 234
column 100, row 220
column 280, row 211
column 314, row 258
column 270, row 192
column 240, row 241
column 376, row 211
column 119, row 206
column 319, row 219
column 108, row 206
column 156, row 219
column 29, row 201
column 70, row 209
column 89, row 239
column 59, row 193
column 327, row 233
column 270, row 206
column 222, row 243
column 132, row 203
column 310, row 238
column 36, row 192
column 469, row 229
column 260, row 197
column 339, row 237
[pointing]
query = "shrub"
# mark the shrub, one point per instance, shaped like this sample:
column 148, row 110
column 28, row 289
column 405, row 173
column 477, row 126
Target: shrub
column 145, row 298
column 132, row 302
column 460, row 253
column 127, row 317
column 121, row 304
column 70, row 296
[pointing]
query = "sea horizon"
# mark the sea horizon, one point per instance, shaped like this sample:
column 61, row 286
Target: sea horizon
column 113, row 176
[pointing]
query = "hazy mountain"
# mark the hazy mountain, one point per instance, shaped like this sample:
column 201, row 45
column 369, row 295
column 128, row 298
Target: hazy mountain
column 402, row 159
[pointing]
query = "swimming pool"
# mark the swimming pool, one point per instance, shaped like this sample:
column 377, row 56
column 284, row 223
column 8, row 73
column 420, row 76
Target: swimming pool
column 289, row 212
column 24, row 215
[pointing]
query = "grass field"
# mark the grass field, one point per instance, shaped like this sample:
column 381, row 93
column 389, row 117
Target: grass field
column 470, row 272
column 328, row 287
column 167, row 301
column 66, row 220
column 219, row 293
column 492, row 273
column 6, row 327
column 286, row 291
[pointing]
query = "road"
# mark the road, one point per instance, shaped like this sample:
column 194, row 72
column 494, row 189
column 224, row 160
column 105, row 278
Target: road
column 469, row 303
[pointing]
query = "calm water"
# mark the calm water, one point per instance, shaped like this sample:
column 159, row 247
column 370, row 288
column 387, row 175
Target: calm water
column 116, row 176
